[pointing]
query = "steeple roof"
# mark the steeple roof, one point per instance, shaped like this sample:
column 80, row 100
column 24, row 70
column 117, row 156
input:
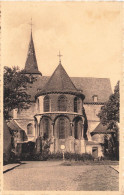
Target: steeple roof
column 31, row 66
column 59, row 82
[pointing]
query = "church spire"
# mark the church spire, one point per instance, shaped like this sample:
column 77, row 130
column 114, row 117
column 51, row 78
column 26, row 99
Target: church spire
column 31, row 66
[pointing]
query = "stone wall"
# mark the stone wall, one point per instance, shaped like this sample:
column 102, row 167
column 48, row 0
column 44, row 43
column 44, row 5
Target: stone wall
column 98, row 137
column 91, row 111
column 90, row 147
column 54, row 103
column 27, row 113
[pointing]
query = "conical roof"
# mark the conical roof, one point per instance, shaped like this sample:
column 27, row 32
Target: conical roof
column 59, row 82
column 31, row 66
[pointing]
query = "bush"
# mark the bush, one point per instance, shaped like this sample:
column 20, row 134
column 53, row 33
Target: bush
column 57, row 156
column 70, row 156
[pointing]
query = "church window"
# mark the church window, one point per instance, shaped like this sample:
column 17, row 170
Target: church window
column 46, row 104
column 75, row 104
column 29, row 129
column 61, row 128
column 46, row 128
column 76, row 130
column 62, row 103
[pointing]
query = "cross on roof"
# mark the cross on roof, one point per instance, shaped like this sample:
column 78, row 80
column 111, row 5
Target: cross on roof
column 59, row 56
column 31, row 24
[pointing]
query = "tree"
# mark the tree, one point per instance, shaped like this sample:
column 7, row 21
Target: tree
column 109, row 115
column 15, row 90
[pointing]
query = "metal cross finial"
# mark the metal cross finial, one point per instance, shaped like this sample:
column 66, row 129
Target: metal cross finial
column 59, row 56
column 31, row 24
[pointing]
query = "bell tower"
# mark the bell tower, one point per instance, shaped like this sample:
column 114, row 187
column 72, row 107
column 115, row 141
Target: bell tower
column 31, row 67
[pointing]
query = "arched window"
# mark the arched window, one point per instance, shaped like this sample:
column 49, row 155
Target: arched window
column 61, row 128
column 46, row 128
column 46, row 104
column 30, row 129
column 78, row 129
column 75, row 104
column 62, row 103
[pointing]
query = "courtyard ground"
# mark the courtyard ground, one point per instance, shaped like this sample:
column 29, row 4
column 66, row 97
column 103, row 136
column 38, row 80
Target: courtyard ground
column 58, row 176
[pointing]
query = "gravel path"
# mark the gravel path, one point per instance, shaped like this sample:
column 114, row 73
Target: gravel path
column 52, row 176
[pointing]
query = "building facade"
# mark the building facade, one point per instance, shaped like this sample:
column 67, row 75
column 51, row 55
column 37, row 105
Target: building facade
column 64, row 109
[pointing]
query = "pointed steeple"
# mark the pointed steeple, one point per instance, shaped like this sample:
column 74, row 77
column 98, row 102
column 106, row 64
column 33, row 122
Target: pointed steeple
column 31, row 66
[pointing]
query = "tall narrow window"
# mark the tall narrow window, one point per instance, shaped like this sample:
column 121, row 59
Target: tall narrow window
column 46, row 104
column 46, row 128
column 61, row 128
column 62, row 103
column 30, row 129
column 76, row 130
column 75, row 104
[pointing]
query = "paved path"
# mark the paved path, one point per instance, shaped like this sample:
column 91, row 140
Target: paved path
column 41, row 176
column 9, row 167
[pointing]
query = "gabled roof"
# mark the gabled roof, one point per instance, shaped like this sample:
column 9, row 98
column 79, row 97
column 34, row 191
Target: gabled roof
column 31, row 66
column 93, row 86
column 59, row 82
column 101, row 129
column 14, row 126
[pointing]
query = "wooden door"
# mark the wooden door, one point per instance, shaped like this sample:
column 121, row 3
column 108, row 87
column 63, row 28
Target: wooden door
column 95, row 152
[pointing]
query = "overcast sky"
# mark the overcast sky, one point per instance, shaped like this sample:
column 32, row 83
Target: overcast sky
column 88, row 35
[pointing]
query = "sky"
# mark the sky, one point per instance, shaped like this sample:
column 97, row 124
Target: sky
column 88, row 35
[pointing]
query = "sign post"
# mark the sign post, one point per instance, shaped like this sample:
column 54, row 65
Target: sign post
column 63, row 151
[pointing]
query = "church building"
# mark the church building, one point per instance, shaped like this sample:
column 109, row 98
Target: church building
column 64, row 109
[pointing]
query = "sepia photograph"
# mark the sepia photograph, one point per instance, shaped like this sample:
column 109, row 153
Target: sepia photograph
column 62, row 67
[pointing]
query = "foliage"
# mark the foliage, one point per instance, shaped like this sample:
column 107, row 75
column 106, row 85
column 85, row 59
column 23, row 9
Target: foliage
column 111, row 147
column 70, row 156
column 109, row 115
column 15, row 94
column 85, row 123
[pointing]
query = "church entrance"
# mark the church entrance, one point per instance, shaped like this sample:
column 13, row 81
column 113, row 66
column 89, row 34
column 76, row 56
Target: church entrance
column 95, row 152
